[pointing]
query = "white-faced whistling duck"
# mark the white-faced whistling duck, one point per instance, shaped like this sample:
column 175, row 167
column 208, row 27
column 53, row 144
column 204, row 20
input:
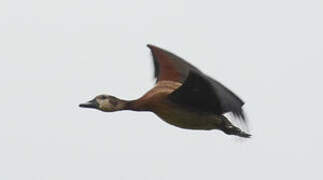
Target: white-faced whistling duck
column 183, row 96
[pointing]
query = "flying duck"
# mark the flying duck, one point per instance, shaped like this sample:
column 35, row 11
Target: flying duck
column 183, row 96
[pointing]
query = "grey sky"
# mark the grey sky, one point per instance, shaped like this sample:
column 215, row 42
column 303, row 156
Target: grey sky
column 57, row 54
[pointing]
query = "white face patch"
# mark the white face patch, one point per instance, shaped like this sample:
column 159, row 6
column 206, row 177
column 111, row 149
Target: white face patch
column 108, row 103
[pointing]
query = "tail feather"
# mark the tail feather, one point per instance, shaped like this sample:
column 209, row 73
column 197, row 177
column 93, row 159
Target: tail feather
column 230, row 129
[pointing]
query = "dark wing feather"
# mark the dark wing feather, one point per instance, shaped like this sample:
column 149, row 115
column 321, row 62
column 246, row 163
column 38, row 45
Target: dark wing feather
column 207, row 95
column 198, row 91
column 228, row 100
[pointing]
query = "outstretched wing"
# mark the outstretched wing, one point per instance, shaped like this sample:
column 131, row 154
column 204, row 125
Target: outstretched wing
column 198, row 91
column 168, row 66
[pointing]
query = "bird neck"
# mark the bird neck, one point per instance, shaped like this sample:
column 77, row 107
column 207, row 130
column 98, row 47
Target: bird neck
column 120, row 105
column 133, row 105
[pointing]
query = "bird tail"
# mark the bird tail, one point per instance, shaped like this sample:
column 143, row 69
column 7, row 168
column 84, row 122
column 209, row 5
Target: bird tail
column 228, row 128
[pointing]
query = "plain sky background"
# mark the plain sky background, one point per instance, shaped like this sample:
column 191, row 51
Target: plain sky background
column 57, row 54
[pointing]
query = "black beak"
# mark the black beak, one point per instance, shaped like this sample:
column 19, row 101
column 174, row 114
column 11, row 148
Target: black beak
column 90, row 104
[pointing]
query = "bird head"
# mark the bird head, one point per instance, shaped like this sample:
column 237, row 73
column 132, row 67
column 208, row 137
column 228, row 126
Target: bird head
column 104, row 103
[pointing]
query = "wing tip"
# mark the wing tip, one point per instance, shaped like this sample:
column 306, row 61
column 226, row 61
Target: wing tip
column 240, row 114
column 156, row 64
column 154, row 48
column 150, row 46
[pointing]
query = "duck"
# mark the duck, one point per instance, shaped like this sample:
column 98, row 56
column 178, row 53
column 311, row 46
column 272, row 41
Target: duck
column 183, row 96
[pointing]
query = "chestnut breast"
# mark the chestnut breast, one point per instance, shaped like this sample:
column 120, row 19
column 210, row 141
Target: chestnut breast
column 158, row 95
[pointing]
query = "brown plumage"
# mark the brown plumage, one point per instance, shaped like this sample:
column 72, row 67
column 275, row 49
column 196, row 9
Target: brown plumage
column 183, row 96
